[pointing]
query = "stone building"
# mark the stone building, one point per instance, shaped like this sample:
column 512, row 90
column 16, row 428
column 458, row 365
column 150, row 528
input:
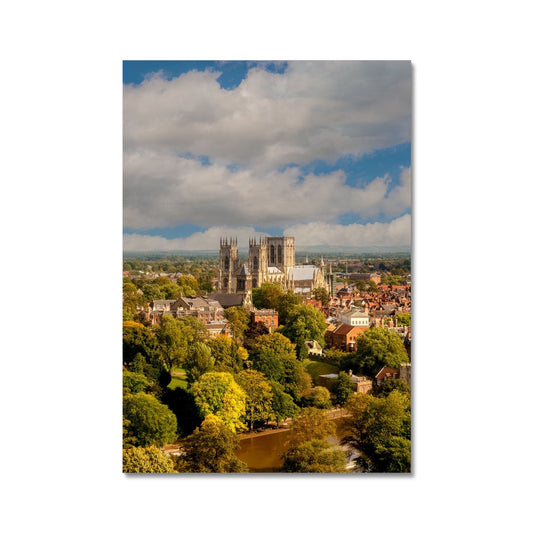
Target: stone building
column 270, row 259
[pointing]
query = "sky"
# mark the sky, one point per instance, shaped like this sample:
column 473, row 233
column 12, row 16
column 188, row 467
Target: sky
column 317, row 150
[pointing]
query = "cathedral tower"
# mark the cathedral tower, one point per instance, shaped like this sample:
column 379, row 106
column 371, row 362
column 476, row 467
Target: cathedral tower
column 257, row 261
column 228, row 265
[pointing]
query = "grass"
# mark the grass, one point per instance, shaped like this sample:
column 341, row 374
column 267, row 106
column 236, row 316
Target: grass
column 178, row 378
column 317, row 368
column 178, row 381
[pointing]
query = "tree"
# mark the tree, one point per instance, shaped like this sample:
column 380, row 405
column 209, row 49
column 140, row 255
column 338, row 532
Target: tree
column 150, row 421
column 198, row 361
column 211, row 448
column 381, row 427
column 267, row 296
column 217, row 393
column 146, row 460
column 188, row 285
column 227, row 354
column 322, row 294
column 318, row 397
column 379, row 347
column 317, row 455
column 394, row 384
column 305, row 323
column 343, row 388
column 238, row 318
column 312, row 423
column 285, row 303
column 403, row 319
column 296, row 380
column 258, row 396
column 268, row 354
column 181, row 403
column 172, row 341
column 194, row 330
column 283, row 405
column 138, row 339
column 134, row 382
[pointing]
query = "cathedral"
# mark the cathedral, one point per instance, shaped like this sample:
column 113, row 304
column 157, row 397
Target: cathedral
column 270, row 259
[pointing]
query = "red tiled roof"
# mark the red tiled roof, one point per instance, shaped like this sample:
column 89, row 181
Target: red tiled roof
column 387, row 372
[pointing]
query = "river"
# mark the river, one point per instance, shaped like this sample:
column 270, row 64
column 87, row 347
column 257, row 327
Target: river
column 262, row 451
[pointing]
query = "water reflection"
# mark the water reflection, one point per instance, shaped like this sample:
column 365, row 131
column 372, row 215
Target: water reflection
column 263, row 452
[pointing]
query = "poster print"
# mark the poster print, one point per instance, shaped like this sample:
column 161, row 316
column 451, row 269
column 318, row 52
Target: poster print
column 267, row 266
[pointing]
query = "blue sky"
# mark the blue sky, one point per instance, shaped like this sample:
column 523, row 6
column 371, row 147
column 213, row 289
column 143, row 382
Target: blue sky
column 317, row 150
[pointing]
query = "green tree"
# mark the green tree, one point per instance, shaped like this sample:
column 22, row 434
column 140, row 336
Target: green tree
column 381, row 427
column 198, row 361
column 134, row 382
column 217, row 393
column 379, row 347
column 267, row 296
column 284, row 305
column 322, row 294
column 314, row 456
column 211, row 448
column 146, row 460
column 312, row 423
column 188, row 285
column 259, row 396
column 394, row 384
column 343, row 388
column 318, row 397
column 150, row 421
column 268, row 354
column 305, row 323
column 283, row 405
column 227, row 354
column 238, row 318
column 404, row 319
column 172, row 341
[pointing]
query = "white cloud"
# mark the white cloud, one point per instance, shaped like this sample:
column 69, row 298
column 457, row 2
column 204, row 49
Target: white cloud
column 204, row 240
column 315, row 110
column 396, row 234
column 164, row 189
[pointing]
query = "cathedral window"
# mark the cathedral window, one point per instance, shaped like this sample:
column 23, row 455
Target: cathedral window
column 280, row 254
column 256, row 263
column 272, row 254
column 226, row 263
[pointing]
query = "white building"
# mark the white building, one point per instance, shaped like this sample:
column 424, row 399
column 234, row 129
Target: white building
column 354, row 317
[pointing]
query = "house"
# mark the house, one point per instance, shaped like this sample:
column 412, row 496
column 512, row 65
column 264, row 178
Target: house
column 344, row 337
column 218, row 327
column 354, row 317
column 269, row 317
column 386, row 373
column 313, row 348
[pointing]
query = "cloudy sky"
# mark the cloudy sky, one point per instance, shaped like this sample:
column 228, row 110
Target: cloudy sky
column 316, row 150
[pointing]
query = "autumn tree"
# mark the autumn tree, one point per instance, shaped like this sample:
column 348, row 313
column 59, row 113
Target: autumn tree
column 259, row 396
column 211, row 448
column 227, row 354
column 146, row 460
column 217, row 393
